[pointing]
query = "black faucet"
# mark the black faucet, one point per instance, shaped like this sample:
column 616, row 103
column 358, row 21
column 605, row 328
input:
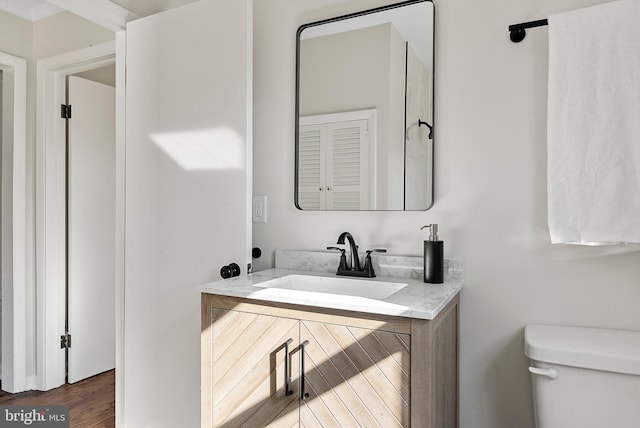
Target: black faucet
column 355, row 259
column 353, row 269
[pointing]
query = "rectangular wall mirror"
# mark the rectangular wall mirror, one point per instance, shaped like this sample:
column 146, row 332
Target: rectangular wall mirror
column 364, row 110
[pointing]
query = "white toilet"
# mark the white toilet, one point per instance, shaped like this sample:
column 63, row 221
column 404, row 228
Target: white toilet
column 584, row 377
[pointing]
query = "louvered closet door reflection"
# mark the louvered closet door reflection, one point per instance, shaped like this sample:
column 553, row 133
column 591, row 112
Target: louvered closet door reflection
column 248, row 370
column 333, row 166
column 355, row 377
column 347, row 165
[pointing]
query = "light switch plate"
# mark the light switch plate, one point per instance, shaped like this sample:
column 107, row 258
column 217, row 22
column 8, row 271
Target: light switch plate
column 259, row 209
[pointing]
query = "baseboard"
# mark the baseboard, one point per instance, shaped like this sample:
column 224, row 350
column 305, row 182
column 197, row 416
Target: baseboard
column 30, row 382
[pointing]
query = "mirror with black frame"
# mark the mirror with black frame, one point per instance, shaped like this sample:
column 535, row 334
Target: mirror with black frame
column 364, row 110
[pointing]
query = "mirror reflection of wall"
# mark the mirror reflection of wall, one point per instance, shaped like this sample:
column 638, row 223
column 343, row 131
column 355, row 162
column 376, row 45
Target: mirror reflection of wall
column 419, row 147
column 358, row 69
column 377, row 68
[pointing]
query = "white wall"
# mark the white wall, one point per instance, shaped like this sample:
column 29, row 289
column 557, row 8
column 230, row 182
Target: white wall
column 66, row 32
column 17, row 37
column 490, row 195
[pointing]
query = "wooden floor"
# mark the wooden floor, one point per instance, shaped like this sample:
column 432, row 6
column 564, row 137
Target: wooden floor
column 91, row 401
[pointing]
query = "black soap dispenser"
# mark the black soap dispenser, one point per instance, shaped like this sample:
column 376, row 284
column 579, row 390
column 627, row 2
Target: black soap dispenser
column 433, row 256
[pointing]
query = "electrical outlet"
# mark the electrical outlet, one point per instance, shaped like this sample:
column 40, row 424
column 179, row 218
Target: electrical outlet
column 259, row 208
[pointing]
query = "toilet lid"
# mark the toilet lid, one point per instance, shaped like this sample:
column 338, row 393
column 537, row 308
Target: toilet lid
column 598, row 349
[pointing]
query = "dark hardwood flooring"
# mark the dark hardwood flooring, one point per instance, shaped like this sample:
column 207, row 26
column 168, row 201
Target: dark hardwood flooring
column 91, row 401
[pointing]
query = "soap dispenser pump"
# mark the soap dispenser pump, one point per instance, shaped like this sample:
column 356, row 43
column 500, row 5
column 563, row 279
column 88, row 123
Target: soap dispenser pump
column 433, row 256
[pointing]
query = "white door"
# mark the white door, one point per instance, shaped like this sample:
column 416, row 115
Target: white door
column 187, row 184
column 91, row 230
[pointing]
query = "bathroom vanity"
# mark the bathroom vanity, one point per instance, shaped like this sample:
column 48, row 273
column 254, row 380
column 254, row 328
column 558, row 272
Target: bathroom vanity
column 293, row 347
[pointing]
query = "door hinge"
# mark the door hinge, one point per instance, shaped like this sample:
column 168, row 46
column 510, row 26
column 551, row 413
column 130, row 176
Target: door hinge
column 65, row 341
column 65, row 111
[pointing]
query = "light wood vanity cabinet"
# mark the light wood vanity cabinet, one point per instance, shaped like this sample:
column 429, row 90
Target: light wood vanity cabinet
column 360, row 369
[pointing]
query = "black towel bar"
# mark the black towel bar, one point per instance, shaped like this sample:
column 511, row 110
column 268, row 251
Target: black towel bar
column 517, row 31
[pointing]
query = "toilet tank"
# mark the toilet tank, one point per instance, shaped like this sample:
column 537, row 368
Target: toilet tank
column 584, row 377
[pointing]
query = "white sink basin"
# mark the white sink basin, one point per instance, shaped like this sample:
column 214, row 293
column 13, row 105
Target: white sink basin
column 335, row 285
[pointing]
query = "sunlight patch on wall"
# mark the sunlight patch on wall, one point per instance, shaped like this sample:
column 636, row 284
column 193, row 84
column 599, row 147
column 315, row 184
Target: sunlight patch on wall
column 212, row 149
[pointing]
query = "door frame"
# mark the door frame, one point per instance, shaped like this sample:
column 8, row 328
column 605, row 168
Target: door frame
column 50, row 209
column 16, row 284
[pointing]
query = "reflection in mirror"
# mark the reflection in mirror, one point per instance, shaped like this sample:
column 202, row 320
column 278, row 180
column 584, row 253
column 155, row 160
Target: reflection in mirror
column 364, row 83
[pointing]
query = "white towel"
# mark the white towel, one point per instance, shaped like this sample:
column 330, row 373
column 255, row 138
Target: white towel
column 594, row 124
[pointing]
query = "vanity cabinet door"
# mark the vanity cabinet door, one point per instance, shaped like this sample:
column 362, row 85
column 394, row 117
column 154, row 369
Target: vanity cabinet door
column 248, row 369
column 354, row 377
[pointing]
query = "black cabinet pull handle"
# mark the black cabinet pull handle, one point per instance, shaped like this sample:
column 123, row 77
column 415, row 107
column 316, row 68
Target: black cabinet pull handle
column 287, row 376
column 303, row 394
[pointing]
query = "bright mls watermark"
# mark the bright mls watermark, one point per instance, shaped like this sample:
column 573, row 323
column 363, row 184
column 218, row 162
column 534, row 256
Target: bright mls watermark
column 34, row 416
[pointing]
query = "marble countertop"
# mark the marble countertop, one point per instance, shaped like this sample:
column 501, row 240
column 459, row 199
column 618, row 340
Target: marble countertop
column 416, row 300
